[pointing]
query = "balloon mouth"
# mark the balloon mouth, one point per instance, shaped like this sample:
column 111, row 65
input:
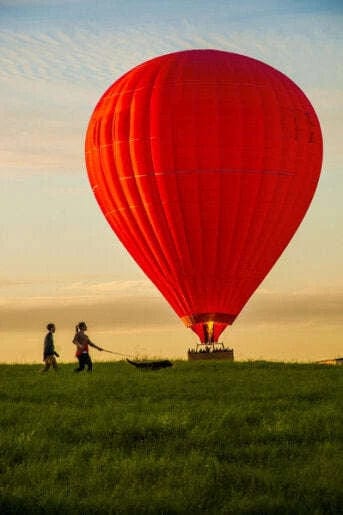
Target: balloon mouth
column 201, row 318
column 208, row 326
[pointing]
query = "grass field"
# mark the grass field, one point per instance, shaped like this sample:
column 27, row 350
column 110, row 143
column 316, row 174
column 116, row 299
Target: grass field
column 216, row 438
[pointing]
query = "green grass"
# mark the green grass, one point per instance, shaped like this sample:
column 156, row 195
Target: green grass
column 217, row 438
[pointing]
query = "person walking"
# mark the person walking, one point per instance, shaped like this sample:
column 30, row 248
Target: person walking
column 49, row 353
column 82, row 342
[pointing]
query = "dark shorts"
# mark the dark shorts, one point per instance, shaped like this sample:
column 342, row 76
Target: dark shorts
column 84, row 360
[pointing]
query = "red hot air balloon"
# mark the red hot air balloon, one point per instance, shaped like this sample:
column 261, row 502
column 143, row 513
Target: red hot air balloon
column 204, row 163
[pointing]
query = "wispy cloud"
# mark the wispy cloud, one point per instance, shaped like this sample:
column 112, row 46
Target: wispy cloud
column 53, row 73
column 138, row 304
column 304, row 307
column 125, row 313
column 18, row 293
column 118, row 288
column 99, row 48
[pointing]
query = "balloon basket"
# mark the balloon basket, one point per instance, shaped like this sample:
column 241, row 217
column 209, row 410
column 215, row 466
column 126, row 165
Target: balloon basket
column 215, row 351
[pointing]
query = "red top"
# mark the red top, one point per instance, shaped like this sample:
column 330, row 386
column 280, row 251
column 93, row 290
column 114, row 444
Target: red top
column 81, row 341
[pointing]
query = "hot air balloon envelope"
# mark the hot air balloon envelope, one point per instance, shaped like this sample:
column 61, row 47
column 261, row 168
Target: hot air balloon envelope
column 204, row 163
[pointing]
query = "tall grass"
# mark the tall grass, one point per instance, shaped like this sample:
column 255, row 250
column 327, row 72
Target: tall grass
column 219, row 437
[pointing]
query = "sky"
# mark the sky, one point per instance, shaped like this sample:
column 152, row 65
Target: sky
column 60, row 260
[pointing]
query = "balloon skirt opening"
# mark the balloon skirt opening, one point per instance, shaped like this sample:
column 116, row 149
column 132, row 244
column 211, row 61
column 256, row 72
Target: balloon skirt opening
column 208, row 332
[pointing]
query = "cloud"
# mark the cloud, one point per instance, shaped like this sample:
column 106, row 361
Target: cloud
column 5, row 283
column 31, row 3
column 19, row 292
column 304, row 307
column 124, row 313
column 99, row 50
column 137, row 304
column 53, row 73
column 117, row 288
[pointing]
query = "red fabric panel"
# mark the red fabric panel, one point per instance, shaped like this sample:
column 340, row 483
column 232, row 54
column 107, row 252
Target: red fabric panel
column 204, row 163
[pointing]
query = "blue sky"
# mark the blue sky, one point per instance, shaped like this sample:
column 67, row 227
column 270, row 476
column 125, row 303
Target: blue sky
column 56, row 59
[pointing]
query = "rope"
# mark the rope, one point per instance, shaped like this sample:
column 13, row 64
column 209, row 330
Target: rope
column 118, row 353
